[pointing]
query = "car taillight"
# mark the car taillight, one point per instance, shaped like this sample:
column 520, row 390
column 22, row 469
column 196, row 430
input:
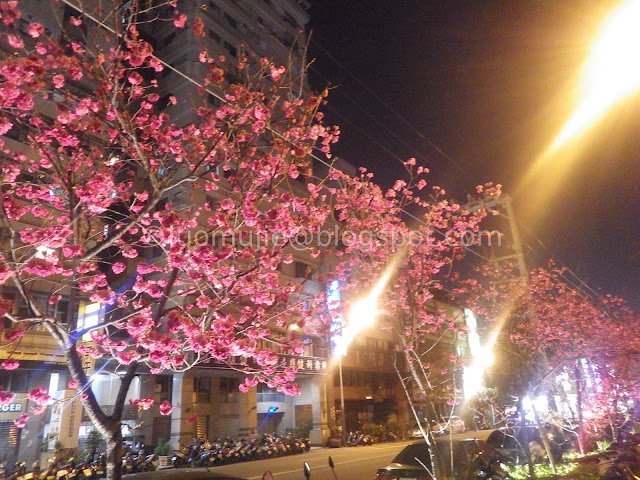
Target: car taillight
column 385, row 477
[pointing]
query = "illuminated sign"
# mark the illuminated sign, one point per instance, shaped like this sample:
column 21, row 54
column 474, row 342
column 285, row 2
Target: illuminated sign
column 12, row 407
column 333, row 304
column 13, row 410
column 306, row 365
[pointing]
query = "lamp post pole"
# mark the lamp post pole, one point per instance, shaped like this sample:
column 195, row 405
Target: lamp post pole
column 342, row 417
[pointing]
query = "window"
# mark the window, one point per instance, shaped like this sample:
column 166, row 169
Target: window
column 233, row 23
column 301, row 269
column 231, row 49
column 268, row 395
column 213, row 100
column 15, row 381
column 202, row 427
column 202, row 389
column 164, row 101
column 169, row 38
column 163, row 387
column 177, row 64
column 308, row 347
column 287, row 17
column 215, row 36
column 59, row 310
column 71, row 31
column 91, row 315
column 229, row 390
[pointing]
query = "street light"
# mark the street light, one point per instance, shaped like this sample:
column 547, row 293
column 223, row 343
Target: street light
column 361, row 316
column 611, row 72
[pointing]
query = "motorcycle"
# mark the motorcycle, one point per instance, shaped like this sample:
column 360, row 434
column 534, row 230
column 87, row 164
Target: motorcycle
column 485, row 465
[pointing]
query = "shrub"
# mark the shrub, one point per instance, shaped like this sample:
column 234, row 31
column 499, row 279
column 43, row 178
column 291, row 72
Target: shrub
column 163, row 449
column 392, row 426
column 372, row 429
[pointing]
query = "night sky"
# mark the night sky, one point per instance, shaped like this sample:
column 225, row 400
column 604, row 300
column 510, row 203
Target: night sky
column 476, row 90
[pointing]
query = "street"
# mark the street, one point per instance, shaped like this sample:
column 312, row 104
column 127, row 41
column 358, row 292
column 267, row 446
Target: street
column 351, row 463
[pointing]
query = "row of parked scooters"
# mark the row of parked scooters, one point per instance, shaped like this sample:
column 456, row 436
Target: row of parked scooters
column 223, row 452
column 357, row 438
column 55, row 470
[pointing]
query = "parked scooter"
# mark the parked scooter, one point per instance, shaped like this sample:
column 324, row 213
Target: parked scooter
column 485, row 465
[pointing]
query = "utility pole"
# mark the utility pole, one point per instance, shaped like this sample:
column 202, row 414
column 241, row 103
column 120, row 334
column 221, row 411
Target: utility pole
column 504, row 206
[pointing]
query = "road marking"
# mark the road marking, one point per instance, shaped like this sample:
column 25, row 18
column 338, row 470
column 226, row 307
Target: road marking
column 298, row 470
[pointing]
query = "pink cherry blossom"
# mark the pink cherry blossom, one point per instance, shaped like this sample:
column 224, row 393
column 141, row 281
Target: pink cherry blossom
column 166, row 408
column 180, row 20
column 10, row 364
column 6, row 398
column 39, row 395
column 35, row 30
column 143, row 403
column 22, row 421
column 15, row 42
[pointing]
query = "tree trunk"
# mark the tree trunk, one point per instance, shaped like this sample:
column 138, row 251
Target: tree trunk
column 114, row 453
column 579, row 405
column 524, row 438
column 545, row 440
column 434, row 453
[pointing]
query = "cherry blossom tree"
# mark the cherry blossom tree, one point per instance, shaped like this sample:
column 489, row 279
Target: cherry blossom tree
column 405, row 246
column 549, row 327
column 177, row 229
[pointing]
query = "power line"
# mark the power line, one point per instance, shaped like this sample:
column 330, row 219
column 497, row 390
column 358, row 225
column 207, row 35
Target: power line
column 376, row 142
column 402, row 118
column 379, row 123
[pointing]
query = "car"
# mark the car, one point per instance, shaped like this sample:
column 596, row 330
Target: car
column 414, row 461
column 416, row 432
column 181, row 474
column 453, row 424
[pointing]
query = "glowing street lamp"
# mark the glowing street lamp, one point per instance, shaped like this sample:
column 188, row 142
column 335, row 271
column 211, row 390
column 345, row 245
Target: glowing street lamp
column 361, row 316
column 610, row 75
column 363, row 312
column 611, row 72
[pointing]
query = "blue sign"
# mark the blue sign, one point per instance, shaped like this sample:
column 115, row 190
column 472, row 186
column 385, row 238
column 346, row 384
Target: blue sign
column 333, row 305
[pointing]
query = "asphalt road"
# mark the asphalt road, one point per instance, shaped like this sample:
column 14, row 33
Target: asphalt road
column 351, row 463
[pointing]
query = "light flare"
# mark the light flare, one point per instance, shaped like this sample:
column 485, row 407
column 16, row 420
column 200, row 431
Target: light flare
column 611, row 72
column 364, row 311
column 482, row 357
